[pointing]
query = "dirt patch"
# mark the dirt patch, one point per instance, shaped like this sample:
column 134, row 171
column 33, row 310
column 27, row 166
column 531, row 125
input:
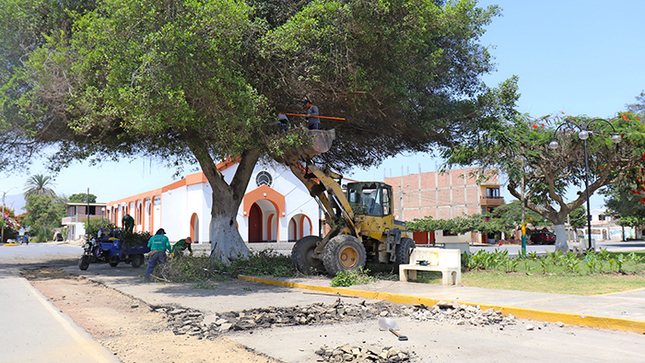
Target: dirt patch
column 128, row 327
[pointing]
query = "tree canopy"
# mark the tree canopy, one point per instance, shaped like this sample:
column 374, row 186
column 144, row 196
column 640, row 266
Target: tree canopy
column 195, row 81
column 520, row 147
column 82, row 198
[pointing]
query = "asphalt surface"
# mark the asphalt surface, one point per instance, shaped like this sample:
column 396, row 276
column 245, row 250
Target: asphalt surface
column 621, row 317
column 31, row 327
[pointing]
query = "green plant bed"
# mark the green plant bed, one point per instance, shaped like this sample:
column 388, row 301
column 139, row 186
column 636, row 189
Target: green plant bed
column 202, row 268
column 594, row 284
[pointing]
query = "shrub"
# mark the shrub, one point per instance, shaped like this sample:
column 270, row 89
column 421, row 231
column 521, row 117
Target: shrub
column 352, row 277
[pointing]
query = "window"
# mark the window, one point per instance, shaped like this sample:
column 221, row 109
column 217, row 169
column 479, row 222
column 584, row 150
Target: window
column 371, row 199
column 263, row 178
column 601, row 217
column 492, row 192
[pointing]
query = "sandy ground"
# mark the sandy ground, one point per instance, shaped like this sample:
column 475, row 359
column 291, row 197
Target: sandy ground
column 126, row 326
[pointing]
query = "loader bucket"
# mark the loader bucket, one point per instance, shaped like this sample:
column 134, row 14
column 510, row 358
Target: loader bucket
column 321, row 144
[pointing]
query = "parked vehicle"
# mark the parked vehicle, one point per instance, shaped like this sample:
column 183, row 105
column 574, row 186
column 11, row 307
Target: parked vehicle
column 23, row 239
column 543, row 238
column 111, row 248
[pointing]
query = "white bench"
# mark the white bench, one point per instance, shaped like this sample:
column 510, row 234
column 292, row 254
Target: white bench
column 448, row 261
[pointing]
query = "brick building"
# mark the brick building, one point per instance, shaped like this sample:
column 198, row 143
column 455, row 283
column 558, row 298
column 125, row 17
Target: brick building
column 445, row 195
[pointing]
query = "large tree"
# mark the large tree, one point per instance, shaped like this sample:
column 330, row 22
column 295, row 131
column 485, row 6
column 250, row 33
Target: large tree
column 521, row 147
column 195, row 81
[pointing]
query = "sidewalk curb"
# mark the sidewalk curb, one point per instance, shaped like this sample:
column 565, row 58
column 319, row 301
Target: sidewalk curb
column 601, row 322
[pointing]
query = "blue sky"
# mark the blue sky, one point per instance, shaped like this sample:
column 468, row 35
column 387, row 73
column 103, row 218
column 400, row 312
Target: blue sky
column 580, row 57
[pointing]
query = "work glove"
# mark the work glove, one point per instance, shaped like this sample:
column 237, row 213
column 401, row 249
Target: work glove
column 191, row 253
column 172, row 254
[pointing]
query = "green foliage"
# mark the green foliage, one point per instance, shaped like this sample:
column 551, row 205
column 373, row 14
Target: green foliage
column 352, row 277
column 44, row 213
column 463, row 224
column 265, row 262
column 512, row 213
column 200, row 81
column 96, row 225
column 519, row 149
column 559, row 263
column 39, row 185
column 82, row 198
column 203, row 268
column 578, row 218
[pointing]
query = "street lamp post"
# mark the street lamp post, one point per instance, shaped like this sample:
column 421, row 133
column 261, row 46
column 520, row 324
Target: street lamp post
column 585, row 131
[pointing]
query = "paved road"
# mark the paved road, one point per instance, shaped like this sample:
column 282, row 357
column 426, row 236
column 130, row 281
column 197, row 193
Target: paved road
column 32, row 328
column 434, row 342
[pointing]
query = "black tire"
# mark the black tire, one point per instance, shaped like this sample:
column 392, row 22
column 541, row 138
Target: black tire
column 403, row 250
column 343, row 253
column 84, row 262
column 137, row 261
column 113, row 261
column 302, row 256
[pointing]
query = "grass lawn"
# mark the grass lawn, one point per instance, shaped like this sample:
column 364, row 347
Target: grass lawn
column 562, row 284
column 529, row 275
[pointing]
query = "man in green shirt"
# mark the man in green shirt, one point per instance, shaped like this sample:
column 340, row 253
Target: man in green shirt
column 158, row 245
column 128, row 223
column 181, row 245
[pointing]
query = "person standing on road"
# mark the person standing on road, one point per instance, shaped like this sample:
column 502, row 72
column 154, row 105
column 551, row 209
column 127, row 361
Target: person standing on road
column 312, row 115
column 158, row 245
column 182, row 245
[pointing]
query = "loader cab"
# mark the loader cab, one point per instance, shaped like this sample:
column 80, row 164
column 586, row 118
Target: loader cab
column 370, row 198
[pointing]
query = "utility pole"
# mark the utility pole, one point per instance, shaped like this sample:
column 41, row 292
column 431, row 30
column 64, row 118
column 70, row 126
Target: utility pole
column 523, row 220
column 3, row 195
column 87, row 231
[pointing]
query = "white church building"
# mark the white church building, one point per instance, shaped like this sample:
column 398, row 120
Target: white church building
column 276, row 207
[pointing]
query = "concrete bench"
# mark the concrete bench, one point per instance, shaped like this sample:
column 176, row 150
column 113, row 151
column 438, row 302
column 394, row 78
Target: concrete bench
column 433, row 259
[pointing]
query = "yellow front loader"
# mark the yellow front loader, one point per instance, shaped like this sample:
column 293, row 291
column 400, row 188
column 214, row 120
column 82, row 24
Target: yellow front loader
column 359, row 217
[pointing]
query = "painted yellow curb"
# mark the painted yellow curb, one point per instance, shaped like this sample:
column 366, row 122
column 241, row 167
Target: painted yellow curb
column 590, row 321
column 9, row 244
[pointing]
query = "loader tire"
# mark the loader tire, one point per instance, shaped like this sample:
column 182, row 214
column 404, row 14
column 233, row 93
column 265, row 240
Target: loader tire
column 403, row 251
column 302, row 256
column 343, row 253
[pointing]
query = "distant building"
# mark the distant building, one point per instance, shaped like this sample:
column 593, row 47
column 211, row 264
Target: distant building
column 77, row 214
column 604, row 228
column 445, row 195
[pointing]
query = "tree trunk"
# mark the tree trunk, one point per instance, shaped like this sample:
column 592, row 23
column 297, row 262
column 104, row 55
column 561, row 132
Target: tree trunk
column 561, row 238
column 226, row 243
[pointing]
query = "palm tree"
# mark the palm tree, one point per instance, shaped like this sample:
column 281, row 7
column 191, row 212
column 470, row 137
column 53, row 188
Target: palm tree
column 39, row 185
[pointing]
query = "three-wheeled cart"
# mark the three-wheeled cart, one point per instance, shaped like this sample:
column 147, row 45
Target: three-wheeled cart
column 110, row 247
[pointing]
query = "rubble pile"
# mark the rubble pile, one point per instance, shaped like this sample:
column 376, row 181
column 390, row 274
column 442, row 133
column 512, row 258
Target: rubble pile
column 190, row 322
column 461, row 314
column 364, row 354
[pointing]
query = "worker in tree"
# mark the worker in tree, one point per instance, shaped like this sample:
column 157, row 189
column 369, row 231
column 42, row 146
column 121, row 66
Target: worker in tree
column 312, row 115
column 182, row 245
column 128, row 223
column 158, row 245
